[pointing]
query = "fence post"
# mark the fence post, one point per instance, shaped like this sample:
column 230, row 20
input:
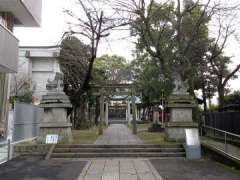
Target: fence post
column 9, row 149
column 225, row 141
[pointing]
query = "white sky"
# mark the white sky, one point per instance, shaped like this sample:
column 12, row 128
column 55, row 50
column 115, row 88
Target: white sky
column 54, row 25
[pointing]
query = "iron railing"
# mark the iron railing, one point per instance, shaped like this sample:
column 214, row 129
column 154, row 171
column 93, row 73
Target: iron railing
column 222, row 140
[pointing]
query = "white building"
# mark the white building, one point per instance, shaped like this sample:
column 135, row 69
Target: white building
column 25, row 13
column 37, row 65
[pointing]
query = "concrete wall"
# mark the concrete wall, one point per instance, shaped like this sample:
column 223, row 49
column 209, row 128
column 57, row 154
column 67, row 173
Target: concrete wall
column 38, row 65
column 26, row 121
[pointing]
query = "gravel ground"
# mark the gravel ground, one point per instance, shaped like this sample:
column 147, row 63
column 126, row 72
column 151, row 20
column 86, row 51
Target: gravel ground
column 181, row 169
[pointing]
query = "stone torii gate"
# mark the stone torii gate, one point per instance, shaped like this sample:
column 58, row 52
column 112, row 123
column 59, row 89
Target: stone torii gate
column 119, row 89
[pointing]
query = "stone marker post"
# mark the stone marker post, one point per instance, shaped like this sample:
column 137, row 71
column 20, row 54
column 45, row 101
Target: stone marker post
column 106, row 113
column 101, row 114
column 134, row 115
column 129, row 112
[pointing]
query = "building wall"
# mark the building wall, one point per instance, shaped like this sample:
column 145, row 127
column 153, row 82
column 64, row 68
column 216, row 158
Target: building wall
column 39, row 64
column 11, row 11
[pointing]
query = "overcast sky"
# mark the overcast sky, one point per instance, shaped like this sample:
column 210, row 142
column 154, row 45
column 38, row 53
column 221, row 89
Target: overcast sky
column 54, row 25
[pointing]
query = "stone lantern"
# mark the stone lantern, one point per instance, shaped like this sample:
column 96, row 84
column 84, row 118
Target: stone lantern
column 56, row 105
column 180, row 105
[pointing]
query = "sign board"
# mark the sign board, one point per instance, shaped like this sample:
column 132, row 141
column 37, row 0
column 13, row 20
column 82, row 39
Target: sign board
column 192, row 137
column 52, row 139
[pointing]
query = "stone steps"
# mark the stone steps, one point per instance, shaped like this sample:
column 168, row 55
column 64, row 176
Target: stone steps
column 118, row 151
column 120, row 146
column 118, row 155
column 115, row 150
column 118, row 122
column 112, row 151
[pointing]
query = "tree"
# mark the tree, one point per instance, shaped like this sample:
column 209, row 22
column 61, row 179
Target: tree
column 161, row 30
column 177, row 35
column 149, row 79
column 222, row 75
column 21, row 90
column 74, row 62
column 91, row 27
column 232, row 99
column 114, row 68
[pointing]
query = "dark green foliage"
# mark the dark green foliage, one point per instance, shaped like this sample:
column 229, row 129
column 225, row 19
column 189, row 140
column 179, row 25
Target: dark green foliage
column 111, row 69
column 25, row 97
column 232, row 99
column 74, row 61
column 149, row 79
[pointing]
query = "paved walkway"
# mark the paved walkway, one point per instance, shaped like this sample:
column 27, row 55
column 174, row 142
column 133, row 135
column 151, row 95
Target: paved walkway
column 117, row 134
column 119, row 169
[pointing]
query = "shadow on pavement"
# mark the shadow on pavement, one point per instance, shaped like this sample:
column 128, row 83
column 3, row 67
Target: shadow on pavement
column 37, row 169
column 181, row 169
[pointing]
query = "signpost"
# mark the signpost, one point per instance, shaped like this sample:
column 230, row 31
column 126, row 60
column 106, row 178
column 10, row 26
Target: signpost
column 52, row 139
column 193, row 146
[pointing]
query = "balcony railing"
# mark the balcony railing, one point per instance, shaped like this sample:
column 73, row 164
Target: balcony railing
column 8, row 51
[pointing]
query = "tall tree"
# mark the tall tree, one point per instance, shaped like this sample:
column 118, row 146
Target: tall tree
column 74, row 62
column 177, row 34
column 91, row 26
column 115, row 68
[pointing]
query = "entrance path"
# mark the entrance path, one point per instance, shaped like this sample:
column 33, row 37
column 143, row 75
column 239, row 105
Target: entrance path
column 119, row 169
column 118, row 134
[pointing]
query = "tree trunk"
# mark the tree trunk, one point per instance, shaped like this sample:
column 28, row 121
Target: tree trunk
column 220, row 97
column 204, row 100
column 97, row 109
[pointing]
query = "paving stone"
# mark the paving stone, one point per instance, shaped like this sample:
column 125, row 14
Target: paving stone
column 111, row 176
column 118, row 134
column 146, row 176
column 111, row 166
column 97, row 167
column 93, row 177
column 141, row 166
column 128, row 176
column 127, row 167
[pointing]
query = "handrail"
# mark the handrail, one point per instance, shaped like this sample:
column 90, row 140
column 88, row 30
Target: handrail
column 226, row 133
column 232, row 134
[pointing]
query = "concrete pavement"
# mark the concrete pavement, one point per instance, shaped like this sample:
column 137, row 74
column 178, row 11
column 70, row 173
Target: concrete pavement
column 119, row 169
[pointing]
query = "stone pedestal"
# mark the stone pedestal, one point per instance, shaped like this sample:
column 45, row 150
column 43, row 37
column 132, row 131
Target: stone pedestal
column 55, row 118
column 180, row 110
column 55, row 105
column 156, row 126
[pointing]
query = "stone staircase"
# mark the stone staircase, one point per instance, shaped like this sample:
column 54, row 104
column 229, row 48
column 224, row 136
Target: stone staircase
column 117, row 121
column 118, row 151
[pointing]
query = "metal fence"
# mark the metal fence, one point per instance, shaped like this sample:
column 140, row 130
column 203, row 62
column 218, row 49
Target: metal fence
column 226, row 121
column 224, row 141
column 26, row 121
